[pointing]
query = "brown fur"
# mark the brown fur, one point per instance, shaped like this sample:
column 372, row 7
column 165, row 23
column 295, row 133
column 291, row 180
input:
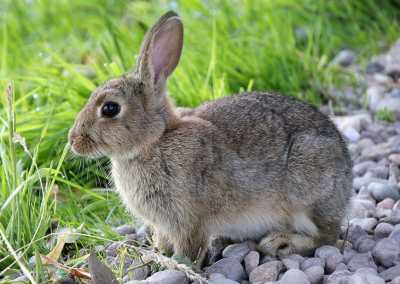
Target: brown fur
column 245, row 166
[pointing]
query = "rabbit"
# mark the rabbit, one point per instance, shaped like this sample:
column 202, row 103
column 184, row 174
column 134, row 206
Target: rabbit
column 252, row 166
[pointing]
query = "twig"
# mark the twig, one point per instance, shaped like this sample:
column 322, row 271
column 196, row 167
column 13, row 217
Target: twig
column 151, row 256
column 346, row 235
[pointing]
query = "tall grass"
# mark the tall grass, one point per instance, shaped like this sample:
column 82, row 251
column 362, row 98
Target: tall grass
column 56, row 52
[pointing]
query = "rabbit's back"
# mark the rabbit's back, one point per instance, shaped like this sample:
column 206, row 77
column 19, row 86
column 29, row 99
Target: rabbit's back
column 282, row 144
column 252, row 119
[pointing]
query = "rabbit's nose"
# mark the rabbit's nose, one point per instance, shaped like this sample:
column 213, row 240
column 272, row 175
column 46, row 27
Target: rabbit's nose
column 72, row 136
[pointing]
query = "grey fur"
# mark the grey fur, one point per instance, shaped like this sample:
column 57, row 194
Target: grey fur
column 247, row 166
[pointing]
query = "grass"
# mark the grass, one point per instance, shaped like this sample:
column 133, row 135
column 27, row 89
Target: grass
column 386, row 115
column 56, row 52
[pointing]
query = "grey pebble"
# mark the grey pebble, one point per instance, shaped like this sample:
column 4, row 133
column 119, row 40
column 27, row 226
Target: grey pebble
column 344, row 58
column 365, row 244
column 314, row 274
column 290, row 263
column 217, row 278
column 229, row 267
column 294, row 276
column 395, row 234
column 313, row 261
column 383, row 230
column 362, row 208
column 365, row 279
column 380, row 191
column 332, row 261
column 251, row 261
column 326, row 251
column 169, row 276
column 361, row 168
column 374, row 67
column 137, row 273
column 390, row 273
column 266, row 272
column 338, row 277
column 360, row 260
column 125, row 230
column 112, row 249
column 238, row 251
column 386, row 252
column 395, row 280
column 367, row 224
column 355, row 232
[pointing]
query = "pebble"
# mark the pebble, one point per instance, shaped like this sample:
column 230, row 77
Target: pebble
column 395, row 234
column 374, row 95
column 294, row 276
column 386, row 252
column 380, row 191
column 374, row 67
column 138, row 273
column 112, row 249
column 266, row 272
column 290, row 263
column 326, row 251
column 365, row 279
column 360, row 260
column 365, row 244
column 251, row 261
column 367, row 224
column 338, row 277
column 169, row 276
column 332, row 261
column 314, row 274
column 313, row 261
column 344, row 58
column 125, row 230
column 365, row 180
column 395, row 158
column 395, row 280
column 362, row 208
column 238, row 251
column 348, row 254
column 229, row 267
column 383, row 230
column 217, row 278
column 361, row 168
column 390, row 273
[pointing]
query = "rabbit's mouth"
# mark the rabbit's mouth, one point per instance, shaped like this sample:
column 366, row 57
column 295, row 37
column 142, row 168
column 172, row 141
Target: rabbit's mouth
column 84, row 145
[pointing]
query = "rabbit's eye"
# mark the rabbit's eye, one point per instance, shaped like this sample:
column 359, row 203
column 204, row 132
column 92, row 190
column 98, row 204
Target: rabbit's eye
column 110, row 109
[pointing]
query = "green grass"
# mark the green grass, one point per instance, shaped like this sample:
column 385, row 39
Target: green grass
column 386, row 115
column 56, row 52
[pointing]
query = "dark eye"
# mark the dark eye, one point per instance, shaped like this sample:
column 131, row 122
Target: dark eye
column 110, row 109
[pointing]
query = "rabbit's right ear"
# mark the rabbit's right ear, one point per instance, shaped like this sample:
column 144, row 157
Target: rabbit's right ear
column 161, row 50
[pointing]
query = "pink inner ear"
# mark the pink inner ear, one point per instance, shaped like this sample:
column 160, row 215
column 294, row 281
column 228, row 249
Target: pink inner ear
column 166, row 48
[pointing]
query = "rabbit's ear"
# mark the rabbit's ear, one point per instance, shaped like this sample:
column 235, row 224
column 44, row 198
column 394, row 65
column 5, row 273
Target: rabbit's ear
column 161, row 50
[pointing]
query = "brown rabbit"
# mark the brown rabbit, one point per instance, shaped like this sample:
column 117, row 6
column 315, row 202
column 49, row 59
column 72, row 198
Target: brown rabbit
column 249, row 166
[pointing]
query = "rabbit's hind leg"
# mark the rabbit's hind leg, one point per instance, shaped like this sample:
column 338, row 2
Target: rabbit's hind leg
column 281, row 244
column 301, row 237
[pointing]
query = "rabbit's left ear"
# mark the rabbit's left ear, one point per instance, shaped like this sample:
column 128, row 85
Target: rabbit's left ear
column 161, row 49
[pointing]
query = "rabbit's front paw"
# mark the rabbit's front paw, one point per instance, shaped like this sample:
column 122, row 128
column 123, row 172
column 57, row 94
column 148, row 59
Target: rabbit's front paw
column 276, row 245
